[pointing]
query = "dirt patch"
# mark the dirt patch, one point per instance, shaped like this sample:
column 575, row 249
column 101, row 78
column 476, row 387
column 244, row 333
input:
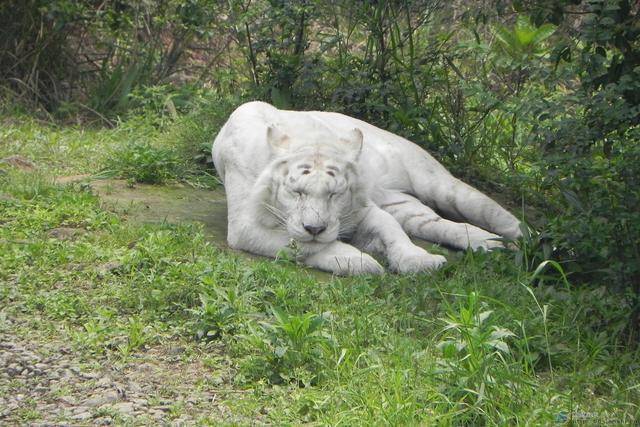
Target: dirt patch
column 65, row 233
column 175, row 203
column 19, row 162
column 46, row 383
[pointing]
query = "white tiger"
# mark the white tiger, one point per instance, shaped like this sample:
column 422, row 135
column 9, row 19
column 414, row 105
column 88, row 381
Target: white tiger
column 332, row 188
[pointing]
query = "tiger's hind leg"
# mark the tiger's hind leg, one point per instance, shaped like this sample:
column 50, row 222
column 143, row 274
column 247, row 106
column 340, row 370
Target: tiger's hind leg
column 460, row 201
column 423, row 222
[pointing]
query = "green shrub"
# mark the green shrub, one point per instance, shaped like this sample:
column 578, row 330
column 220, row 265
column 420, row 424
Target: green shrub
column 145, row 163
column 289, row 349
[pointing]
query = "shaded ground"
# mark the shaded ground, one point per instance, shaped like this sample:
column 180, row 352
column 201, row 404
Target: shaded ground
column 174, row 204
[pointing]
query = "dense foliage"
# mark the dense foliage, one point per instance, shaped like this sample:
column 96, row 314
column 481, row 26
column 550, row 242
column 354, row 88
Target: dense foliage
column 537, row 99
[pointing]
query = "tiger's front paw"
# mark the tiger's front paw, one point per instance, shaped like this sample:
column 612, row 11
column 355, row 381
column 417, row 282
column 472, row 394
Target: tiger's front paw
column 350, row 262
column 357, row 265
column 416, row 260
column 486, row 244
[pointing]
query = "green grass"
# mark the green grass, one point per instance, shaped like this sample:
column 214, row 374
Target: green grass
column 475, row 343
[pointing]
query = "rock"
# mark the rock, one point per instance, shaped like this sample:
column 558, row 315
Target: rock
column 108, row 396
column 104, row 382
column 134, row 387
column 155, row 413
column 176, row 351
column 68, row 400
column 91, row 375
column 109, row 267
column 81, row 416
column 125, row 408
column 140, row 402
column 102, row 421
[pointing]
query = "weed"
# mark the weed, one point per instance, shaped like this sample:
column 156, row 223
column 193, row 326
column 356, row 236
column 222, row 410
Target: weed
column 476, row 363
column 145, row 163
column 291, row 348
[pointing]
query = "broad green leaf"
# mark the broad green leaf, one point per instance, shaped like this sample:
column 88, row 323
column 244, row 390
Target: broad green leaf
column 506, row 38
column 543, row 32
column 523, row 23
column 524, row 36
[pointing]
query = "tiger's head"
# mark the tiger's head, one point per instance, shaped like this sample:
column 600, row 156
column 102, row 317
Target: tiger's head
column 315, row 191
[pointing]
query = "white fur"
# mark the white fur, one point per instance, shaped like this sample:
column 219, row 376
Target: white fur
column 356, row 188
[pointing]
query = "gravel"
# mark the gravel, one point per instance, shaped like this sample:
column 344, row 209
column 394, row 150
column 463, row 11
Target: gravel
column 50, row 384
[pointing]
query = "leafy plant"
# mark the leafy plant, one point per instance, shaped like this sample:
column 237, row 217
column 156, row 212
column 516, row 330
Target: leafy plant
column 476, row 362
column 292, row 348
column 220, row 313
column 524, row 39
column 145, row 163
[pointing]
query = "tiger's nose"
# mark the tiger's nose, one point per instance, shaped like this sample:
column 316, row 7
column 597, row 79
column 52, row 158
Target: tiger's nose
column 314, row 230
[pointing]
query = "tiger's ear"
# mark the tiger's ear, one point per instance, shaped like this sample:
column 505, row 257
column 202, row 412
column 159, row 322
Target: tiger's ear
column 352, row 143
column 278, row 141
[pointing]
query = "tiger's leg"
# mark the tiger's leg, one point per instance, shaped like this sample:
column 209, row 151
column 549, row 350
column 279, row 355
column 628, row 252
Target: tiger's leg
column 336, row 257
column 460, row 201
column 343, row 259
column 380, row 232
column 421, row 221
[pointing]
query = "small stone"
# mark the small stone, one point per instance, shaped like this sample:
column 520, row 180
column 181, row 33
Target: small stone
column 125, row 408
column 82, row 416
column 109, row 267
column 68, row 400
column 109, row 396
column 79, row 409
column 102, row 421
column 156, row 413
column 140, row 402
column 176, row 351
column 91, row 375
column 134, row 387
column 103, row 382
